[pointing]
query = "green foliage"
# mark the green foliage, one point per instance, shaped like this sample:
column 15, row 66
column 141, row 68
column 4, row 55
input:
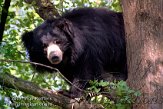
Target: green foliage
column 116, row 6
column 22, row 17
column 63, row 5
column 113, row 95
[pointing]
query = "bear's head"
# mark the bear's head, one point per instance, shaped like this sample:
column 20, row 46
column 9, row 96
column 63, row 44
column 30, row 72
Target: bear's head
column 51, row 42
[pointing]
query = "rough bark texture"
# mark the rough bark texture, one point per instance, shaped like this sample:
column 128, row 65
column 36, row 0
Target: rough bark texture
column 144, row 36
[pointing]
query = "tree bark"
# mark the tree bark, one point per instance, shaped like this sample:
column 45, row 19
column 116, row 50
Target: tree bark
column 144, row 37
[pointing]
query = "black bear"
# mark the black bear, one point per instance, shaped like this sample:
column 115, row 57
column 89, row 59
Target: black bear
column 84, row 44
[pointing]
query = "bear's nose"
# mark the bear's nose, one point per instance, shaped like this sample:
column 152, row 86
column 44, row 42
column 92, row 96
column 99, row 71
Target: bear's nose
column 54, row 59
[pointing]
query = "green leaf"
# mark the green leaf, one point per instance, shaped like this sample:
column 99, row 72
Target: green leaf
column 1, row 2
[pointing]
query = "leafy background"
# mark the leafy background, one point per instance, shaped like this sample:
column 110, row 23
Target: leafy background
column 22, row 17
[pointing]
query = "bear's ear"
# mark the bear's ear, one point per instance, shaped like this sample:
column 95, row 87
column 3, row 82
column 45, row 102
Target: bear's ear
column 66, row 26
column 27, row 38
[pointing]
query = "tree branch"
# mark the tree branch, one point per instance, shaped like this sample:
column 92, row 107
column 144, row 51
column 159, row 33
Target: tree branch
column 4, row 17
column 55, row 98
column 44, row 8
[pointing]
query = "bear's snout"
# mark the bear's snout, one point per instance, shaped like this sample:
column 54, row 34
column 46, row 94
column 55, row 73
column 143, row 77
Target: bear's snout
column 54, row 58
column 54, row 54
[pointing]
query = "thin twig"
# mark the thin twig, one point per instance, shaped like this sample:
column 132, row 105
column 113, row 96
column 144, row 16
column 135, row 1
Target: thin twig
column 35, row 63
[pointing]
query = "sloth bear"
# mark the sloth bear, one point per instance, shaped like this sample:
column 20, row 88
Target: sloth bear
column 84, row 44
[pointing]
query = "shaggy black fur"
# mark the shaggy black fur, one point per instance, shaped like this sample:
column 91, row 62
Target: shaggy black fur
column 92, row 42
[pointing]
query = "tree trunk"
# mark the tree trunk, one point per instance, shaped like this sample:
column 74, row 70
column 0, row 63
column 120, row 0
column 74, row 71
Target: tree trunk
column 144, row 36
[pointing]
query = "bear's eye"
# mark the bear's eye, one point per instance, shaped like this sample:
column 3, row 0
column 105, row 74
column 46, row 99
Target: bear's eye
column 57, row 42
